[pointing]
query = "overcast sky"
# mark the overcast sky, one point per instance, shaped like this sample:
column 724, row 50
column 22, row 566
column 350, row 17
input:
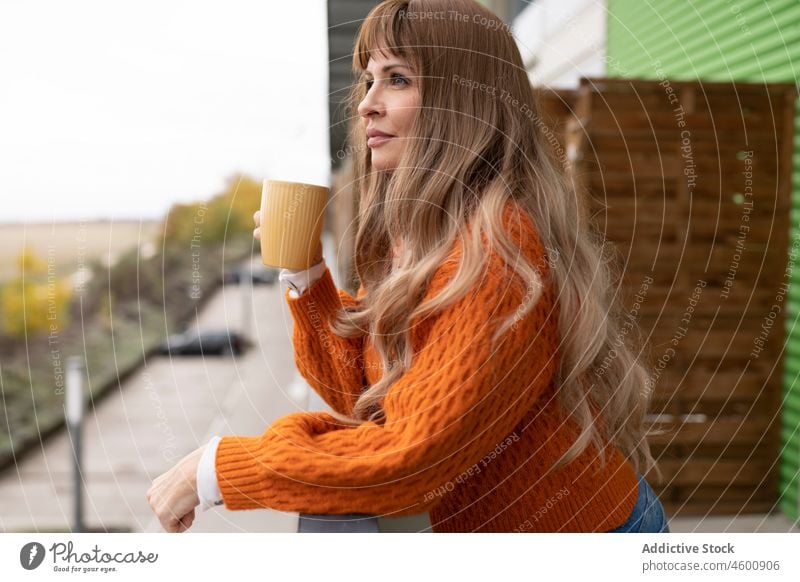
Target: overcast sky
column 117, row 109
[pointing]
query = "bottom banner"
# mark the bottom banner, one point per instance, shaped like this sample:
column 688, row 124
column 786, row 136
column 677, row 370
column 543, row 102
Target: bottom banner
column 396, row 556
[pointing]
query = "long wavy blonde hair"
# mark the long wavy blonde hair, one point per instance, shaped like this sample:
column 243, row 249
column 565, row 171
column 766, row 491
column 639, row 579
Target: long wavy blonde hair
column 469, row 152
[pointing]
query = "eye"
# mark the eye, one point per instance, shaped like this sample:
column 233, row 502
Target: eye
column 398, row 76
column 393, row 78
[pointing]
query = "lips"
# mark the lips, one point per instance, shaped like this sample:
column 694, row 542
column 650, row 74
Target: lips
column 376, row 137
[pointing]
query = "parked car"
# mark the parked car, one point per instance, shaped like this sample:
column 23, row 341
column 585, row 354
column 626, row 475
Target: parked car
column 204, row 343
column 261, row 276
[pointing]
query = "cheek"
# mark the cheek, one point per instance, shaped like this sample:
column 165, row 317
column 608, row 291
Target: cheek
column 406, row 113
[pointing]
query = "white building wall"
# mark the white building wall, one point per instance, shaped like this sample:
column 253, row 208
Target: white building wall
column 562, row 40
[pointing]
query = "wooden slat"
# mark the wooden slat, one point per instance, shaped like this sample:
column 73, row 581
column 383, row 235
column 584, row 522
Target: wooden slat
column 668, row 164
column 636, row 185
column 664, row 307
column 712, row 494
column 610, row 119
column 718, row 431
column 728, row 383
column 721, row 508
column 715, row 472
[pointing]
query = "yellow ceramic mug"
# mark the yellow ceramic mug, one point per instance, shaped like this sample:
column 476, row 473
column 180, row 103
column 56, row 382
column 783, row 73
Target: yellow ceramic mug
column 292, row 217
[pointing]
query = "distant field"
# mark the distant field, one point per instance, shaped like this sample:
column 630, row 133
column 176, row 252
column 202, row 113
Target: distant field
column 69, row 244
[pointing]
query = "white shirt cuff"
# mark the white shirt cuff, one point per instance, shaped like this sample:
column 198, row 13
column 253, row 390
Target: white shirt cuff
column 298, row 280
column 207, row 486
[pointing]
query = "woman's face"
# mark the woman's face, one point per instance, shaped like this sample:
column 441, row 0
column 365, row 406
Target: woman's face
column 388, row 109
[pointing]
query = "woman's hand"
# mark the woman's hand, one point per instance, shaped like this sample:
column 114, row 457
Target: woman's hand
column 257, row 220
column 173, row 495
column 257, row 235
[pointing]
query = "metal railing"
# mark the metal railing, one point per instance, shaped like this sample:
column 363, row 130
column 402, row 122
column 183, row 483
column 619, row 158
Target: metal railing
column 350, row 523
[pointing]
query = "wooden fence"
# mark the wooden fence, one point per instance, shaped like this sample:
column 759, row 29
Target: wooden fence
column 689, row 182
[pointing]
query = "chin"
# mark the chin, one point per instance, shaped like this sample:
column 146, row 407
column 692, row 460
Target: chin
column 381, row 164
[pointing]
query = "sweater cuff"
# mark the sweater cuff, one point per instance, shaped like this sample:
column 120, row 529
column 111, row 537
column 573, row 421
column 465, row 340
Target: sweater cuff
column 241, row 485
column 322, row 297
column 298, row 280
column 207, row 487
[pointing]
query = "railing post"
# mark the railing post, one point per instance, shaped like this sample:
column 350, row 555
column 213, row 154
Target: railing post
column 74, row 413
column 246, row 290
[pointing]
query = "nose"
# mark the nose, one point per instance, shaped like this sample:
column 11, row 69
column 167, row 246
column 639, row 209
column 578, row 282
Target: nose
column 371, row 104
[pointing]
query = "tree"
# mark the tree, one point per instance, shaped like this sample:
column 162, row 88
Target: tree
column 35, row 301
column 227, row 215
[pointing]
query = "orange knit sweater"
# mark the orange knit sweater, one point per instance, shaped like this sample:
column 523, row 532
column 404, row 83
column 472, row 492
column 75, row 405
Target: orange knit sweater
column 468, row 434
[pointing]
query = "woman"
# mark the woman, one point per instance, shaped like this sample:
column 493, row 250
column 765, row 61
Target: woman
column 463, row 377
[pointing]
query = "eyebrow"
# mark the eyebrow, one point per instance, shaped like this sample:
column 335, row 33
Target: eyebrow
column 387, row 67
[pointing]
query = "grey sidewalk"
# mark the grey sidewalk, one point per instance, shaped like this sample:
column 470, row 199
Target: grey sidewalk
column 163, row 412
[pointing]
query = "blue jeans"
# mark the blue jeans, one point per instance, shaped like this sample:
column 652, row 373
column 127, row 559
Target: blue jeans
column 648, row 514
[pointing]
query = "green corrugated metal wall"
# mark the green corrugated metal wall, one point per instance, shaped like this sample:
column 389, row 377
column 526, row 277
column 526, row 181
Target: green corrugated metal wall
column 745, row 40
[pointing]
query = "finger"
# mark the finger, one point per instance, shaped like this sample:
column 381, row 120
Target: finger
column 168, row 525
column 161, row 478
column 257, row 234
column 152, row 497
column 171, row 523
column 187, row 520
column 257, row 217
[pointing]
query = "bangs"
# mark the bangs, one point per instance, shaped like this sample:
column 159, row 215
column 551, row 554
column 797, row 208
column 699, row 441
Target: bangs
column 384, row 31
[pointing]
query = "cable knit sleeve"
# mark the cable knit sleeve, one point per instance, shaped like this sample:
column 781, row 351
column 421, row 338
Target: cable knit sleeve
column 457, row 400
column 332, row 365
